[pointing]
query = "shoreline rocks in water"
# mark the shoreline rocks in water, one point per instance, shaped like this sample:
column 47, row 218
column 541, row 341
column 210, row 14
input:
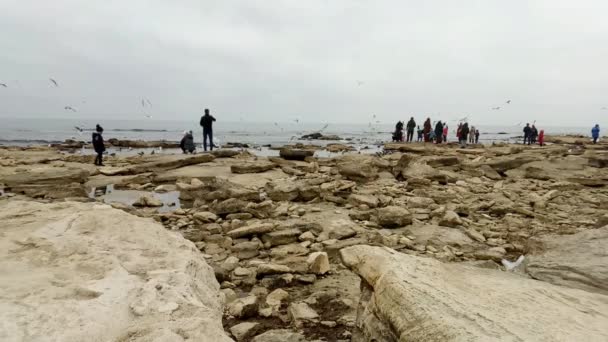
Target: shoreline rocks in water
column 273, row 232
column 320, row 136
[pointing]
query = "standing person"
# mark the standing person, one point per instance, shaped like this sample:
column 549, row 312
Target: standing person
column 427, row 128
column 445, row 133
column 439, row 132
column 98, row 145
column 527, row 133
column 207, row 124
column 420, row 133
column 595, row 133
column 533, row 134
column 464, row 134
column 411, row 126
column 476, row 136
column 541, row 137
column 472, row 135
column 459, row 131
column 187, row 143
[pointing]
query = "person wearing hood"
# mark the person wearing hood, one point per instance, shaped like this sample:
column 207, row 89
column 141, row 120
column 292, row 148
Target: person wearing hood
column 187, row 143
column 476, row 136
column 464, row 134
column 595, row 133
column 541, row 137
column 533, row 134
column 398, row 134
column 439, row 132
column 420, row 134
column 98, row 145
column 411, row 126
column 427, row 128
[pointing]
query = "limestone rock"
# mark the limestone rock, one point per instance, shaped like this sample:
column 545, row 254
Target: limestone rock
column 225, row 153
column 159, row 164
column 295, row 154
column 393, row 216
column 205, row 217
column 300, row 314
column 280, row 335
column 252, row 167
column 281, row 237
column 244, row 307
column 244, row 331
column 357, row 171
column 318, row 263
column 450, row 219
column 579, row 261
column 252, row 229
column 91, row 272
column 282, row 190
column 148, row 201
column 267, row 269
column 229, row 206
column 358, row 199
column 420, row 299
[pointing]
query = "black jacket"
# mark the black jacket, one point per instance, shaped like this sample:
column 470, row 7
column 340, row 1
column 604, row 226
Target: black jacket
column 527, row 131
column 411, row 125
column 207, row 122
column 98, row 143
column 187, row 143
column 464, row 132
column 439, row 129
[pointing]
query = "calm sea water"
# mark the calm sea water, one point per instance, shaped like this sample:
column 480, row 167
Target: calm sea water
column 45, row 131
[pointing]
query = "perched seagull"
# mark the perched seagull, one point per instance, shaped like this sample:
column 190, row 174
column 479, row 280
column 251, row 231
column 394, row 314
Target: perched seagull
column 4, row 85
column 70, row 108
column 508, row 102
column 511, row 265
column 54, row 82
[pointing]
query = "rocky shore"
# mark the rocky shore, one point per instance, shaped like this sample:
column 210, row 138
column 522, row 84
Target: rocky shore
column 408, row 245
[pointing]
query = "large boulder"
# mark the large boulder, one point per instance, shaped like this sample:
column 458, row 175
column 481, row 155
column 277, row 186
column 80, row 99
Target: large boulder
column 295, row 154
column 357, row 171
column 411, row 298
column 579, row 260
column 393, row 216
column 87, row 272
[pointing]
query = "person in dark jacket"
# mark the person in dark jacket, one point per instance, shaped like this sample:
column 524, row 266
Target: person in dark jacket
column 533, row 134
column 527, row 134
column 187, row 143
column 464, row 134
column 428, row 127
column 398, row 134
column 411, row 126
column 439, row 132
column 476, row 136
column 595, row 133
column 98, row 145
column 207, row 124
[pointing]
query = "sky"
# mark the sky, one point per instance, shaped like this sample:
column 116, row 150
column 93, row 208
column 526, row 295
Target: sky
column 332, row 61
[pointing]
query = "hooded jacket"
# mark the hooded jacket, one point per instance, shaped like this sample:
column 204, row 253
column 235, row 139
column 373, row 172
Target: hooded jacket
column 595, row 132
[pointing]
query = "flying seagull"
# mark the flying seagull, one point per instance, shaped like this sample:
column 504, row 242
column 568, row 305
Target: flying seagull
column 54, row 82
column 495, row 108
column 4, row 85
column 508, row 102
column 70, row 108
column 78, row 129
column 143, row 103
column 511, row 265
column 360, row 83
column 603, row 108
column 149, row 116
column 297, row 120
column 149, row 103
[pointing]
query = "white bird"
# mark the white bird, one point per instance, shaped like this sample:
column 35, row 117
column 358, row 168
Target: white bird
column 360, row 83
column 70, row 108
column 149, row 116
column 4, row 85
column 603, row 108
column 495, row 108
column 54, row 82
column 508, row 102
column 511, row 265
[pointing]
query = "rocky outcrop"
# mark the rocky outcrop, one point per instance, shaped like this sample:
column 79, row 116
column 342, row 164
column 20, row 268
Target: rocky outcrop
column 252, row 167
column 420, row 299
column 48, row 182
column 579, row 261
column 165, row 163
column 87, row 272
column 295, row 154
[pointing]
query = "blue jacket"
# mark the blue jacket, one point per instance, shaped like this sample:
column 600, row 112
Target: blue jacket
column 595, row 132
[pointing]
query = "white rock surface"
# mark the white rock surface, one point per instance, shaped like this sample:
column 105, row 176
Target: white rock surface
column 421, row 299
column 87, row 272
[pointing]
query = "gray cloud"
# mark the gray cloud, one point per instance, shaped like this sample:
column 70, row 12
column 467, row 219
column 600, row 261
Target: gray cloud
column 276, row 60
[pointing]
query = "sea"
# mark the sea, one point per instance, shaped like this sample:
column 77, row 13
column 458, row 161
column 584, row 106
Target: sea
column 43, row 131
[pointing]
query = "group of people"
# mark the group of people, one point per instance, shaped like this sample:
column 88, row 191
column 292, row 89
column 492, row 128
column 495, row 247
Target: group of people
column 438, row 134
column 186, row 144
column 532, row 135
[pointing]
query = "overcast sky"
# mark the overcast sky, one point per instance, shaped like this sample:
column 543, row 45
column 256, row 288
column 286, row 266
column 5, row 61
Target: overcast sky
column 317, row 60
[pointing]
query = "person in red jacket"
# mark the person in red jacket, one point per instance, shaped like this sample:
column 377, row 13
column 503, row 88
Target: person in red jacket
column 541, row 137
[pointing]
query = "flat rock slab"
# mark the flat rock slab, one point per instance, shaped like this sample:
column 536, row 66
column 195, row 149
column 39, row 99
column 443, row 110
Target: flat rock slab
column 421, row 299
column 86, row 272
column 252, row 167
column 165, row 163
